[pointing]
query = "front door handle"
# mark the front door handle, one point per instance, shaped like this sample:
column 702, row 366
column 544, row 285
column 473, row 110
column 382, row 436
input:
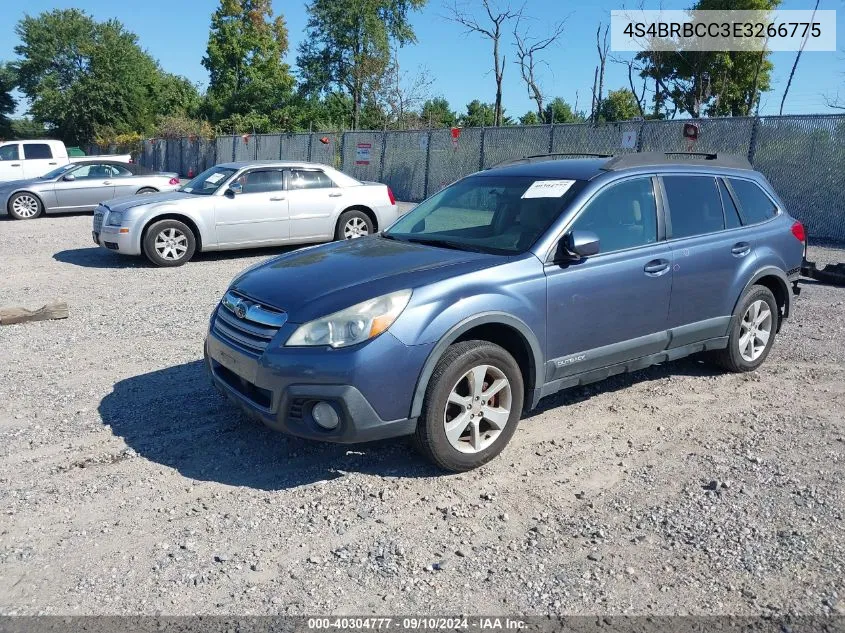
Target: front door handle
column 277, row 199
column 16, row 164
column 741, row 249
column 335, row 195
column 51, row 163
column 107, row 182
column 656, row 267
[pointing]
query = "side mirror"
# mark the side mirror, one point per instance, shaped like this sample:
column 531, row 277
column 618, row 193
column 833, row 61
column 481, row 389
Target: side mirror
column 581, row 243
column 69, row 178
column 234, row 189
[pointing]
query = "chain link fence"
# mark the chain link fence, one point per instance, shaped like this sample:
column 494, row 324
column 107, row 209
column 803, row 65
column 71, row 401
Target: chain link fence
column 803, row 156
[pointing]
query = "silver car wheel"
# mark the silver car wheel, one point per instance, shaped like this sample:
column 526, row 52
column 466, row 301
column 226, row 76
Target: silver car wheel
column 25, row 206
column 171, row 244
column 355, row 227
column 755, row 329
column 478, row 409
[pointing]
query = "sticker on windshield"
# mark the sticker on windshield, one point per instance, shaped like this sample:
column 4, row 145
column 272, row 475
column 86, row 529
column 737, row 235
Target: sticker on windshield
column 215, row 178
column 548, row 188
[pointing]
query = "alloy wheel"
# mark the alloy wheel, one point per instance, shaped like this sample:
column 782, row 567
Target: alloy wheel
column 355, row 227
column 25, row 206
column 755, row 330
column 478, row 409
column 171, row 244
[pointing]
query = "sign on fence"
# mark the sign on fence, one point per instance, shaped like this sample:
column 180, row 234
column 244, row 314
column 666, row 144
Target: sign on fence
column 362, row 153
column 629, row 139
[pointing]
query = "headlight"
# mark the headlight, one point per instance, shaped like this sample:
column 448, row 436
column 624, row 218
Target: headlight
column 115, row 218
column 353, row 325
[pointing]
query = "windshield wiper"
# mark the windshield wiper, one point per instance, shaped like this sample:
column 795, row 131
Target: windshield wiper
column 458, row 246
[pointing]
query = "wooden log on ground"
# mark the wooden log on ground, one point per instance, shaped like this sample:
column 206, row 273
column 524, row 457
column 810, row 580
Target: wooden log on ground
column 56, row 310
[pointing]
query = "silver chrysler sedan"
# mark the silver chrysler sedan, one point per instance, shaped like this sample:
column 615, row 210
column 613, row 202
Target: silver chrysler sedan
column 245, row 205
column 80, row 187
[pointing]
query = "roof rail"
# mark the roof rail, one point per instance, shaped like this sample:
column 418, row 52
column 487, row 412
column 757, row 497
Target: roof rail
column 537, row 158
column 647, row 159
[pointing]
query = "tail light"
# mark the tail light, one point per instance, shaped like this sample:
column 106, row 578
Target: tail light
column 798, row 232
column 391, row 196
column 174, row 181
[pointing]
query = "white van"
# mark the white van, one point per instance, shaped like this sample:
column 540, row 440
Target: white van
column 21, row 160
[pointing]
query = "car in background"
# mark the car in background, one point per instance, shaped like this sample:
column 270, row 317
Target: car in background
column 80, row 186
column 504, row 288
column 245, row 205
column 29, row 159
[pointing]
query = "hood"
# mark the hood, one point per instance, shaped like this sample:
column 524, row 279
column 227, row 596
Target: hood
column 16, row 184
column 127, row 202
column 312, row 282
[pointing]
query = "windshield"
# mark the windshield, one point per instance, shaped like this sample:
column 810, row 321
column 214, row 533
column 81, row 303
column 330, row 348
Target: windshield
column 496, row 214
column 58, row 171
column 208, row 181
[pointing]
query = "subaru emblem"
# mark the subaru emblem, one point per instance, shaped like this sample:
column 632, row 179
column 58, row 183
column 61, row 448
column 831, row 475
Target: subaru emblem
column 240, row 310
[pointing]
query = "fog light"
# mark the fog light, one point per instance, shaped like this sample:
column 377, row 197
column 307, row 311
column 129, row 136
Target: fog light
column 325, row 415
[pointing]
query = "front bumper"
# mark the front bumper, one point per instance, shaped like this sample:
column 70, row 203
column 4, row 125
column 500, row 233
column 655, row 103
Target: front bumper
column 111, row 238
column 371, row 386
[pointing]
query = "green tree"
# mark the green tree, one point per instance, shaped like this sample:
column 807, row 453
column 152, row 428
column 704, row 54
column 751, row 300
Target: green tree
column 559, row 111
column 347, row 46
column 710, row 83
column 7, row 102
column 437, row 113
column 619, row 105
column 479, row 114
column 529, row 118
column 80, row 75
column 176, row 96
column 27, row 128
column 245, row 60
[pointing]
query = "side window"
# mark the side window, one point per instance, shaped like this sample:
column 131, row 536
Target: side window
column 118, row 171
column 32, row 151
column 309, row 179
column 623, row 216
column 262, row 181
column 92, row 172
column 731, row 213
column 694, row 205
column 755, row 206
column 9, row 152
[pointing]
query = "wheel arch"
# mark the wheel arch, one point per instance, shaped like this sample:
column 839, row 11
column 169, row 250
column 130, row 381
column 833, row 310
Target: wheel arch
column 140, row 189
column 501, row 329
column 32, row 193
column 191, row 224
column 775, row 280
column 363, row 209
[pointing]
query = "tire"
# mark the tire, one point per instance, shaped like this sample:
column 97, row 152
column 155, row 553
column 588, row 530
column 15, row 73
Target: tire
column 740, row 356
column 25, row 206
column 169, row 243
column 353, row 224
column 145, row 190
column 480, row 440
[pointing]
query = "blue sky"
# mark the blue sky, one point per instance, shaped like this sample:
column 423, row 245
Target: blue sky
column 176, row 34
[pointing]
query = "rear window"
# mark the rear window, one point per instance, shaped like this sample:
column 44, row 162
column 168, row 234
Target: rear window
column 9, row 152
column 754, row 205
column 35, row 151
column 694, row 205
column 309, row 179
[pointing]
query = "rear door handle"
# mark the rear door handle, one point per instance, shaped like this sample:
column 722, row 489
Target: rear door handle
column 741, row 249
column 277, row 199
column 107, row 182
column 335, row 195
column 16, row 164
column 656, row 267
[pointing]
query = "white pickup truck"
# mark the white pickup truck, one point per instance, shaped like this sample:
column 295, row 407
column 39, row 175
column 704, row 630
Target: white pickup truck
column 21, row 160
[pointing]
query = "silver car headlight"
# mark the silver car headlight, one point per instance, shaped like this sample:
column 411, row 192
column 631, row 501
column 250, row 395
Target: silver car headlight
column 115, row 218
column 353, row 325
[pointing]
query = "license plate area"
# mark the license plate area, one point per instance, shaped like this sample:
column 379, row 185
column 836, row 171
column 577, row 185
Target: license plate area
column 232, row 360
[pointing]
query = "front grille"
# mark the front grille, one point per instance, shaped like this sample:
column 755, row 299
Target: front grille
column 262, row 397
column 98, row 221
column 245, row 331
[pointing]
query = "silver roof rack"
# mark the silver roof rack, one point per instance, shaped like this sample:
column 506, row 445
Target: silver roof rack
column 538, row 158
column 650, row 159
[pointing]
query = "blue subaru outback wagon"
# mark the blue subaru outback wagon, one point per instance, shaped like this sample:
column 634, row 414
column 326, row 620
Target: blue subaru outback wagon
column 503, row 288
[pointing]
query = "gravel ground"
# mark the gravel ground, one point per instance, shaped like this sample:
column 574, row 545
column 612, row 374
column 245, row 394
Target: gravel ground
column 127, row 485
